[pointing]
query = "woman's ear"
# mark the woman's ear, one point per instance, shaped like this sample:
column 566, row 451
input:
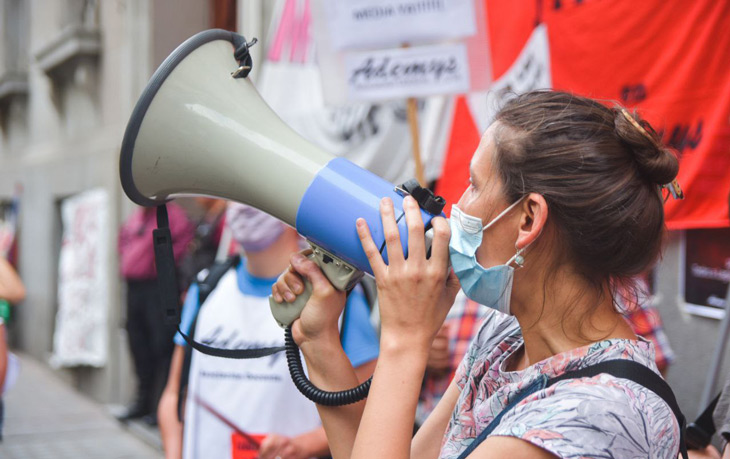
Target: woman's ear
column 533, row 219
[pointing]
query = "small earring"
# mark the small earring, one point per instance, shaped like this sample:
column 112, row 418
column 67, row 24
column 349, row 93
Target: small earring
column 519, row 259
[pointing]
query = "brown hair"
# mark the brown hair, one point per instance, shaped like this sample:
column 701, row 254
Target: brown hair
column 599, row 174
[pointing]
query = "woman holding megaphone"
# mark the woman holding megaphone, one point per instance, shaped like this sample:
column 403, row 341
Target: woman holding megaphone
column 565, row 203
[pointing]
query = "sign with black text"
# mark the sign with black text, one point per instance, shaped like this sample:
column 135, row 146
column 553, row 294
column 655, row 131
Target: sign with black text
column 422, row 71
column 397, row 22
column 382, row 50
column 706, row 271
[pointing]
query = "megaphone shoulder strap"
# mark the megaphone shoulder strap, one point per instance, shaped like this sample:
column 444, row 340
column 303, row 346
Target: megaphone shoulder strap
column 167, row 283
column 229, row 353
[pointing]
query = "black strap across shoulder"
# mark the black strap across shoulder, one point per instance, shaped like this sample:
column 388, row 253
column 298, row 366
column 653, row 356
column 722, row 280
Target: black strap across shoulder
column 640, row 374
column 208, row 279
column 624, row 369
column 633, row 371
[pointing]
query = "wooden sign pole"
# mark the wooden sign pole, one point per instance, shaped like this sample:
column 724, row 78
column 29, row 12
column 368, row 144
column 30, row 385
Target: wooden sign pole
column 412, row 109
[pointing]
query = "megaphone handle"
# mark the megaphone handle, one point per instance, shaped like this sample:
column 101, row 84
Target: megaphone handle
column 341, row 274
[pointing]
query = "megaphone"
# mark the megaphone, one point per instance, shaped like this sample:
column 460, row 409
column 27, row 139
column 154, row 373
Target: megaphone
column 201, row 128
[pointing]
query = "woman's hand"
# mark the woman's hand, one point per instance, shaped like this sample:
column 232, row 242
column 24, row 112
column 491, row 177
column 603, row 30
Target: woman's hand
column 320, row 316
column 414, row 294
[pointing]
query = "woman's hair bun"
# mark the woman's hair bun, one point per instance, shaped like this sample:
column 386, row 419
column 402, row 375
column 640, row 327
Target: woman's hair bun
column 654, row 161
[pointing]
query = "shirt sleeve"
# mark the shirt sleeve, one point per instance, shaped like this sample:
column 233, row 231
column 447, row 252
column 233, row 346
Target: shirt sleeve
column 189, row 312
column 360, row 341
column 596, row 417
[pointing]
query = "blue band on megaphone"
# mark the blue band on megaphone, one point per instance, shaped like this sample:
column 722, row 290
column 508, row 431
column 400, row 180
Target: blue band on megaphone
column 341, row 193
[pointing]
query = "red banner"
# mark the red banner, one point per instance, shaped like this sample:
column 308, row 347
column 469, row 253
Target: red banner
column 668, row 59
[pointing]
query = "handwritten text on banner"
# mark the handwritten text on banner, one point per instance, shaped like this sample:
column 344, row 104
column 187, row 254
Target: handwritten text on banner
column 407, row 72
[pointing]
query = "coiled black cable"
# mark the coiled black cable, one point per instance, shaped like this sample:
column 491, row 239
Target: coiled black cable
column 312, row 392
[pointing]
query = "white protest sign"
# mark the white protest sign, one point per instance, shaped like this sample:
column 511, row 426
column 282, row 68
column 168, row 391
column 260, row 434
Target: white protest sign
column 407, row 72
column 80, row 337
column 530, row 71
column 391, row 23
column 373, row 135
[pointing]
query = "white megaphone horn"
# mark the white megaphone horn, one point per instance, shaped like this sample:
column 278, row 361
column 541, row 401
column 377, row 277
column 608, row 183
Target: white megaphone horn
column 200, row 128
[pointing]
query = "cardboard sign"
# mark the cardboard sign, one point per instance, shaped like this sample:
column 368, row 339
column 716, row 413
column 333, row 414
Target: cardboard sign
column 352, row 23
column 476, row 111
column 80, row 337
column 244, row 448
column 377, row 50
column 411, row 72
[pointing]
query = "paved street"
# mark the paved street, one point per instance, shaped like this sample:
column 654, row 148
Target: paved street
column 45, row 419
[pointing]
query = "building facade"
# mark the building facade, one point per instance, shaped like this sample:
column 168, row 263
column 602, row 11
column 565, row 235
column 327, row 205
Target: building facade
column 70, row 74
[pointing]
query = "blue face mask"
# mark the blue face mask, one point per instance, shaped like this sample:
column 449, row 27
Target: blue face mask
column 488, row 286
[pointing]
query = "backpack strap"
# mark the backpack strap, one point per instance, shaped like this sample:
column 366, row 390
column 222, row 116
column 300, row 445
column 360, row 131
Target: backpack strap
column 206, row 287
column 208, row 278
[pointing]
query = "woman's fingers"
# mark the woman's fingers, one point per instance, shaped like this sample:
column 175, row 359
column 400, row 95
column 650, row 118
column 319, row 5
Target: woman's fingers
column 293, row 282
column 368, row 246
column 281, row 291
column 390, row 232
column 275, row 293
column 311, row 271
column 440, row 243
column 416, row 243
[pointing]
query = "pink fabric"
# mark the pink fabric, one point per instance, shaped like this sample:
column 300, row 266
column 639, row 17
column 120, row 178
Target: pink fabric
column 136, row 253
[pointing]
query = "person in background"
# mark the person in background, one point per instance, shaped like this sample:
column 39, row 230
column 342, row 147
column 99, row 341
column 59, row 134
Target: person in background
column 149, row 338
column 447, row 350
column 12, row 291
column 203, row 248
column 643, row 317
column 249, row 408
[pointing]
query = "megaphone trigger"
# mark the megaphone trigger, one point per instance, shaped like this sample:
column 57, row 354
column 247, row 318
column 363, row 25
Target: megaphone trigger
column 341, row 274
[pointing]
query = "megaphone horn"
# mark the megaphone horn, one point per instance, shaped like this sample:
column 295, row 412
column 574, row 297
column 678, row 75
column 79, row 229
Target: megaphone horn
column 198, row 130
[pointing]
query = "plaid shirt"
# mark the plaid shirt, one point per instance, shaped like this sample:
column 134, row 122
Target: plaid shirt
column 645, row 321
column 463, row 322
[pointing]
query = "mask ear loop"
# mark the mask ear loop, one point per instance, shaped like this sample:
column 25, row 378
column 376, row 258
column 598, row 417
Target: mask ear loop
column 502, row 214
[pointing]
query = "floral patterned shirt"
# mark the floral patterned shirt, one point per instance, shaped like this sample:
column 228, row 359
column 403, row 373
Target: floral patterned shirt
column 602, row 416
